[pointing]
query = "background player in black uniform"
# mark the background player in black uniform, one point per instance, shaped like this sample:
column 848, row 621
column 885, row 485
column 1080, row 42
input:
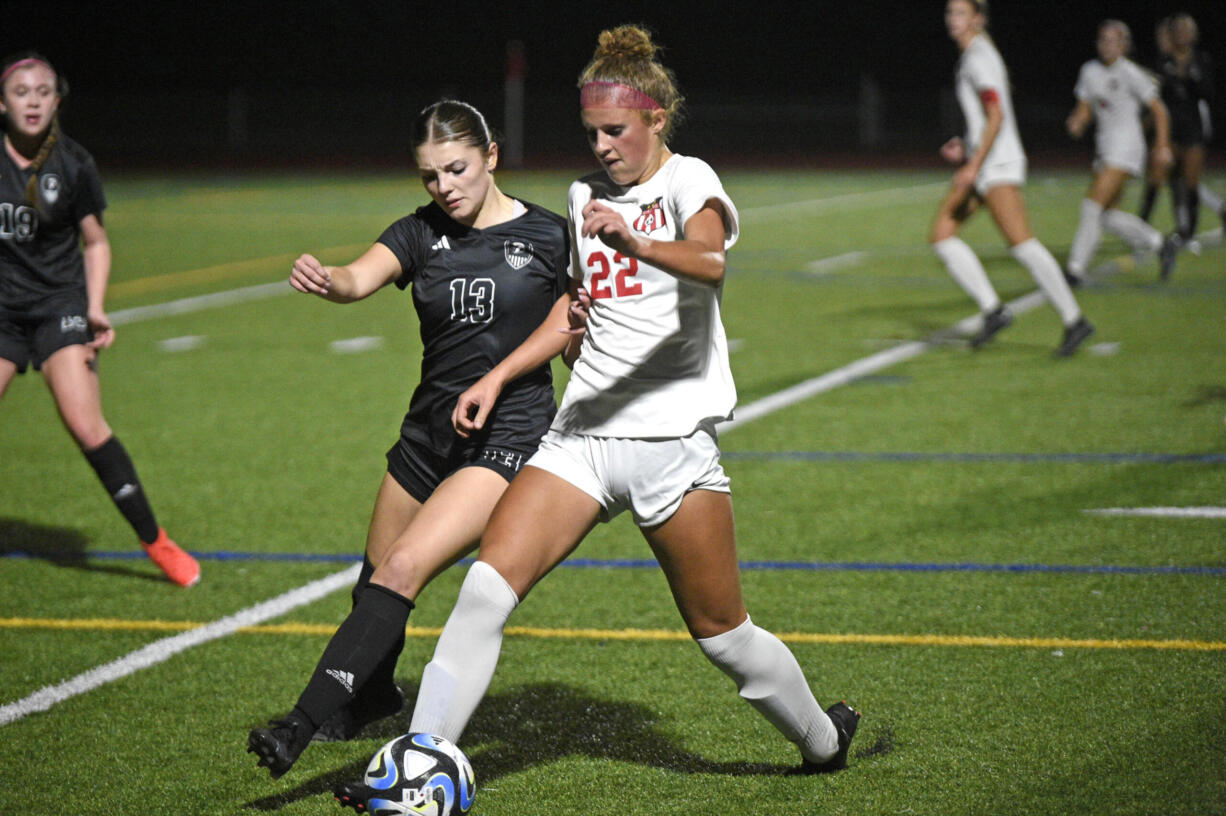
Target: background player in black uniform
column 486, row 270
column 1186, row 74
column 55, row 261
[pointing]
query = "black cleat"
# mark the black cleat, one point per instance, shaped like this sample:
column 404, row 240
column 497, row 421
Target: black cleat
column 845, row 719
column 993, row 321
column 1073, row 281
column 280, row 744
column 360, row 712
column 1167, row 254
column 354, row 795
column 1074, row 336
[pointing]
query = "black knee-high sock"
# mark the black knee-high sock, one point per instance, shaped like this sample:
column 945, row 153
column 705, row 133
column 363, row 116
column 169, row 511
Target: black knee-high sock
column 384, row 675
column 1179, row 197
column 1193, row 216
column 368, row 569
column 360, row 645
column 1147, row 201
column 114, row 467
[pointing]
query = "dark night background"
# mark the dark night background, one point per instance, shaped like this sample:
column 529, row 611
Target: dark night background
column 207, row 84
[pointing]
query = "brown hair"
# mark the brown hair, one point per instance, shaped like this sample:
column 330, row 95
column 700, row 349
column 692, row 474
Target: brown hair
column 53, row 132
column 626, row 55
column 450, row 120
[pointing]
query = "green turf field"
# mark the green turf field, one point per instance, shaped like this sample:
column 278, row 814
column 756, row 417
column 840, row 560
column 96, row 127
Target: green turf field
column 1085, row 673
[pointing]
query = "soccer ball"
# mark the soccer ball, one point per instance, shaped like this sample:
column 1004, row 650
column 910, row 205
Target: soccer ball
column 420, row 774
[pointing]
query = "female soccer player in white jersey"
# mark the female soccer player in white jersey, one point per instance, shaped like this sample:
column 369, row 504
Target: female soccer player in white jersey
column 993, row 169
column 485, row 270
column 1112, row 92
column 55, row 261
column 636, row 427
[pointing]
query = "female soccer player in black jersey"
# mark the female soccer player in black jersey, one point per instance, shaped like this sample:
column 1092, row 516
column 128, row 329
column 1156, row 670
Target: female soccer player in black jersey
column 55, row 261
column 486, row 270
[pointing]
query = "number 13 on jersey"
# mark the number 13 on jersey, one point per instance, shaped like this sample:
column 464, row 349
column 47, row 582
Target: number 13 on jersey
column 624, row 284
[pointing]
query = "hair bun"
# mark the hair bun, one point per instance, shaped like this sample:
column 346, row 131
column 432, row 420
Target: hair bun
column 625, row 42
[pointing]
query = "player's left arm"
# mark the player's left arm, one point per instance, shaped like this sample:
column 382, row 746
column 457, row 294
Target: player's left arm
column 1161, row 153
column 96, row 251
column 1079, row 119
column 699, row 256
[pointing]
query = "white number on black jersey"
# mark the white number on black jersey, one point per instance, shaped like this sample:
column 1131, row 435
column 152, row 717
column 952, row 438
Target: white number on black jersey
column 18, row 223
column 472, row 301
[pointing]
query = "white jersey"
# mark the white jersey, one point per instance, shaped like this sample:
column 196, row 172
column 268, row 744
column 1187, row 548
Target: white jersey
column 1117, row 93
column 654, row 360
column 981, row 71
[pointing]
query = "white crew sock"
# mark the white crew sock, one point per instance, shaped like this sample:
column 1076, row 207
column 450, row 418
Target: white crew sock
column 768, row 676
column 1046, row 273
column 1136, row 233
column 1085, row 241
column 1209, row 199
column 965, row 268
column 454, row 682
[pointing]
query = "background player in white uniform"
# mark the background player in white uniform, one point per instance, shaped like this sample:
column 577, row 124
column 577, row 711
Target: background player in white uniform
column 485, row 270
column 55, row 261
column 992, row 172
column 636, row 426
column 1112, row 91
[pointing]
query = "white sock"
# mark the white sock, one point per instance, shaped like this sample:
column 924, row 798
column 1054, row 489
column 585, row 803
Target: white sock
column 768, row 676
column 1210, row 199
column 454, row 682
column 965, row 268
column 1046, row 273
column 1136, row 233
column 1085, row 241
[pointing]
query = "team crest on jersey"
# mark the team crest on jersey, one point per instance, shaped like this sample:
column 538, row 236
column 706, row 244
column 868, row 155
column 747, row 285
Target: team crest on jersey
column 49, row 186
column 651, row 218
column 517, row 253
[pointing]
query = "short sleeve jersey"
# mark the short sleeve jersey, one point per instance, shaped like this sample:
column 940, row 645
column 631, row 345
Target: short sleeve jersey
column 654, row 359
column 478, row 294
column 1183, row 92
column 981, row 71
column 1117, row 93
column 40, row 247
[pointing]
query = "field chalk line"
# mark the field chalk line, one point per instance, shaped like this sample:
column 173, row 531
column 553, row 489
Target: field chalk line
column 162, row 650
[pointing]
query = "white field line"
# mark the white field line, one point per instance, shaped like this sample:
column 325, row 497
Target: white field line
column 846, row 201
column 823, row 266
column 161, row 650
column 199, row 303
column 1161, row 512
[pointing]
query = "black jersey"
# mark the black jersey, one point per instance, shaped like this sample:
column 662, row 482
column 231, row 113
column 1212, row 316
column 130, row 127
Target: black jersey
column 479, row 293
column 1183, row 94
column 40, row 247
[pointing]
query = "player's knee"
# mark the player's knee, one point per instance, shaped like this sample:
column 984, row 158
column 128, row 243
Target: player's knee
column 400, row 571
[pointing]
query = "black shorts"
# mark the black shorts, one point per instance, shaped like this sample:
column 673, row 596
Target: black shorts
column 34, row 335
column 419, row 469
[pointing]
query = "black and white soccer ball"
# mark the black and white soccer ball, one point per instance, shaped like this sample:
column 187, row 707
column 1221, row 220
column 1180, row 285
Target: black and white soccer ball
column 420, row 774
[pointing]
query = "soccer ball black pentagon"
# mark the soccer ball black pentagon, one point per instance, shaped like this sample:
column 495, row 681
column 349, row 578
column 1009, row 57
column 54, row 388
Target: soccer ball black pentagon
column 420, row 774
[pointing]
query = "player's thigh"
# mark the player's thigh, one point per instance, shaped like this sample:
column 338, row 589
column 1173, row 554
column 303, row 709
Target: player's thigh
column 445, row 528
column 539, row 521
column 958, row 205
column 8, row 370
column 1008, row 210
column 394, row 509
column 696, row 548
column 1107, row 186
column 71, row 374
column 1193, row 164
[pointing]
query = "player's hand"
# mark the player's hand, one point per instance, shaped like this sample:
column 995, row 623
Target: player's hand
column 965, row 176
column 954, row 151
column 1075, row 126
column 577, row 314
column 474, row 405
column 1161, row 157
column 309, row 275
column 599, row 221
column 104, row 332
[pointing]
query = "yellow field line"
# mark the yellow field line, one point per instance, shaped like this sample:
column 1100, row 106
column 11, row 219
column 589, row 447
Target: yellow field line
column 118, row 625
column 210, row 274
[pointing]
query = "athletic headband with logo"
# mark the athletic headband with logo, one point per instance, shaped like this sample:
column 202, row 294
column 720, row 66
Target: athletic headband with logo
column 25, row 63
column 599, row 94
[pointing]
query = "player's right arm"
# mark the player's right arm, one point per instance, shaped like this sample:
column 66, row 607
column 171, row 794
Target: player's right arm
column 376, row 268
column 1079, row 119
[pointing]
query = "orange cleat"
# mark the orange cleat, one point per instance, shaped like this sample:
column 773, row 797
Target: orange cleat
column 177, row 564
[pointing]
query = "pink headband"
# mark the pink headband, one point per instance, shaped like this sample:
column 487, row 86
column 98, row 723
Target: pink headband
column 25, row 63
column 615, row 95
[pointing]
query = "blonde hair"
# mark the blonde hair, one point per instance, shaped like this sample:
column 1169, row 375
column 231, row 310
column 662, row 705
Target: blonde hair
column 626, row 55
column 1122, row 27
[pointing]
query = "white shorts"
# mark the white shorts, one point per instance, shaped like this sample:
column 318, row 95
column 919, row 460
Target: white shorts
column 1011, row 173
column 649, row 477
column 1131, row 162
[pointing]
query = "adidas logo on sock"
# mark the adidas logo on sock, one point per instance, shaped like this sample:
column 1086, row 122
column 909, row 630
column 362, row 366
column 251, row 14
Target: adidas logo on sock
column 343, row 677
column 125, row 491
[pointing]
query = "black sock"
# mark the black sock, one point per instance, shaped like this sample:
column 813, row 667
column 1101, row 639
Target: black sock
column 1147, row 201
column 360, row 646
column 368, row 569
column 1193, row 216
column 384, row 676
column 114, row 467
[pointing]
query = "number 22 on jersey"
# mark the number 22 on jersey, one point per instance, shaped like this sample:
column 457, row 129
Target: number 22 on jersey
column 623, row 285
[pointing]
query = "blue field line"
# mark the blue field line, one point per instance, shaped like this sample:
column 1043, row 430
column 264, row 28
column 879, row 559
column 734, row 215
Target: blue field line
column 650, row 563
column 1121, row 458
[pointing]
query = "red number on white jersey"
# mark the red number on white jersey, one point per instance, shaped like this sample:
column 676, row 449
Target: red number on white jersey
column 623, row 286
